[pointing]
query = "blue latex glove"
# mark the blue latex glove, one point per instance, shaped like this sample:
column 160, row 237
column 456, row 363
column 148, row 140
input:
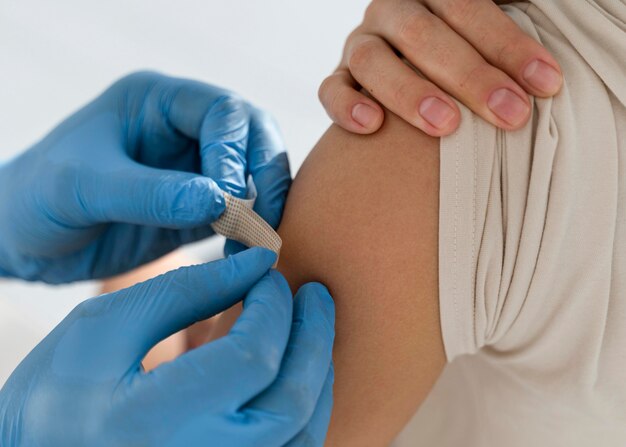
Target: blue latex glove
column 132, row 176
column 267, row 383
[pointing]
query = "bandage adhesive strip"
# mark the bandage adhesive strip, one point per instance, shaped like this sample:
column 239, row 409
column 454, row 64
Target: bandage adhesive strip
column 240, row 223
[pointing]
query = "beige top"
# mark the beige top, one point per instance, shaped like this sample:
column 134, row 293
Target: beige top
column 532, row 251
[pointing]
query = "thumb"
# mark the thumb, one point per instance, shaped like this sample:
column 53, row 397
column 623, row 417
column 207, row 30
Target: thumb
column 147, row 196
column 157, row 308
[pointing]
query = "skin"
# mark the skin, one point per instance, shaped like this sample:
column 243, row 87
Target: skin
column 362, row 217
column 492, row 56
column 388, row 348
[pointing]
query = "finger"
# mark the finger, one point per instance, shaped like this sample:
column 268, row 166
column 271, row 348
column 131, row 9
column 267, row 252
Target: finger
column 157, row 308
column 314, row 433
column 230, row 371
column 418, row 101
column 454, row 65
column 146, row 196
column 346, row 106
column 219, row 120
column 501, row 42
column 223, row 144
column 214, row 117
column 290, row 401
column 269, row 166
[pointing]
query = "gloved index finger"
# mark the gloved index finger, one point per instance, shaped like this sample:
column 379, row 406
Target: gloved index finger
column 230, row 371
column 170, row 302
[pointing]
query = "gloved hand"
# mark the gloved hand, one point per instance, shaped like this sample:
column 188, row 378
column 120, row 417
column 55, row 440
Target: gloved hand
column 132, row 176
column 267, row 383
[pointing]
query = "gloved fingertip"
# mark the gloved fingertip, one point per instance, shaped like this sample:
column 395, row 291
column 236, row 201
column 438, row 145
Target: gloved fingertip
column 189, row 203
column 260, row 256
column 319, row 293
column 232, row 247
column 280, row 282
column 217, row 202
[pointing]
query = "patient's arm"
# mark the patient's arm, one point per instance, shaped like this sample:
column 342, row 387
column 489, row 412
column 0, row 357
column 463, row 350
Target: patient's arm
column 362, row 217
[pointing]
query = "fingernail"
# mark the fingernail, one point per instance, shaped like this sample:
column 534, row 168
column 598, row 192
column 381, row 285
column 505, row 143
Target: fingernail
column 542, row 76
column 436, row 112
column 508, row 106
column 364, row 114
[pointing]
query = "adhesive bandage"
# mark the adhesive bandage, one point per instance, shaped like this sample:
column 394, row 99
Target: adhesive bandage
column 240, row 223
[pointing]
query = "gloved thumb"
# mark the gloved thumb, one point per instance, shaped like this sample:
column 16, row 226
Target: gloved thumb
column 147, row 196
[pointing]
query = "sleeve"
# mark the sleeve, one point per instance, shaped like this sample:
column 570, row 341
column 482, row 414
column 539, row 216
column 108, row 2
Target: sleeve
column 527, row 224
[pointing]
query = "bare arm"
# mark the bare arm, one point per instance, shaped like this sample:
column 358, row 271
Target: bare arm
column 362, row 217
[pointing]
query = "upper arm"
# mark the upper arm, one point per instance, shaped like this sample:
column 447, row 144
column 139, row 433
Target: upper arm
column 362, row 217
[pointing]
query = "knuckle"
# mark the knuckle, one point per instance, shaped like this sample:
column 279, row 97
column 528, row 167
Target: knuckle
column 265, row 119
column 85, row 308
column 363, row 52
column 353, row 37
column 507, row 50
column 416, row 28
column 140, row 75
column 478, row 73
column 458, row 12
column 372, row 11
column 325, row 90
column 80, row 310
column 228, row 101
column 378, row 9
column 137, row 78
column 68, row 180
column 335, row 97
column 404, row 95
column 133, row 91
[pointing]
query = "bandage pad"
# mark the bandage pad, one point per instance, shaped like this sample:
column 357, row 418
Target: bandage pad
column 240, row 223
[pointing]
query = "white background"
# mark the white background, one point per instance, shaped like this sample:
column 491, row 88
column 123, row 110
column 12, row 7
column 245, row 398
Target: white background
column 57, row 55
